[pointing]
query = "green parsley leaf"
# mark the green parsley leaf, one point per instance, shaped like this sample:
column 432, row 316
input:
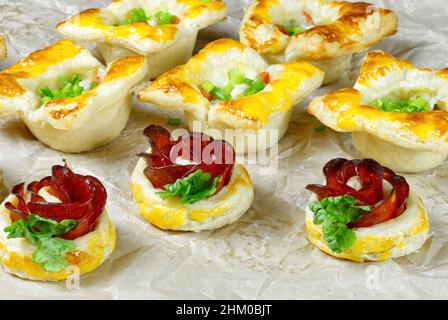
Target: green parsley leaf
column 174, row 122
column 334, row 214
column 50, row 252
column 206, row 1
column 419, row 104
column 196, row 187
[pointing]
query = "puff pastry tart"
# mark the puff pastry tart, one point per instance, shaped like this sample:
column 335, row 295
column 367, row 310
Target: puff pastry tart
column 191, row 183
column 55, row 227
column 3, row 47
column 67, row 98
column 163, row 31
column 365, row 212
column 397, row 113
column 325, row 33
column 228, row 91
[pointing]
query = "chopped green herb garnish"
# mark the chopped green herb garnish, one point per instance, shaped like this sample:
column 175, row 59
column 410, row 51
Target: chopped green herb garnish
column 221, row 94
column 139, row 15
column 334, row 214
column 163, row 17
column 196, row 187
column 69, row 89
column 134, row 16
column 419, row 104
column 51, row 251
column 320, row 128
column 207, row 1
column 174, row 122
column 208, row 86
column 293, row 30
column 235, row 78
column 94, row 85
column 255, row 86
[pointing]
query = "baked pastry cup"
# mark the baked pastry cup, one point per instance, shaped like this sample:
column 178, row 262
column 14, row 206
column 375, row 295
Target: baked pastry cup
column 365, row 213
column 226, row 195
column 3, row 47
column 324, row 33
column 167, row 38
column 61, row 231
column 75, row 119
column 251, row 122
column 411, row 139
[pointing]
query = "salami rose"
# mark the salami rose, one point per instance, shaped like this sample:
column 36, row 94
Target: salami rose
column 371, row 176
column 81, row 198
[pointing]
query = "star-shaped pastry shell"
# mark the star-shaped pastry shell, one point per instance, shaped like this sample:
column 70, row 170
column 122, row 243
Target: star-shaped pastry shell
column 74, row 124
column 92, row 249
column 336, row 30
column 391, row 239
column 262, row 117
column 3, row 48
column 404, row 142
column 165, row 46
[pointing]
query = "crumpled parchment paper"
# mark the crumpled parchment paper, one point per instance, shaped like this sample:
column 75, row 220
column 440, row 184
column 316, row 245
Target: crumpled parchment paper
column 265, row 255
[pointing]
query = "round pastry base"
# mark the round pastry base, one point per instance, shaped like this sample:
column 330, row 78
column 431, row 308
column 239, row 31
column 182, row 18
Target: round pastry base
column 158, row 62
column 222, row 209
column 102, row 128
column 245, row 141
column 391, row 239
column 395, row 157
column 91, row 251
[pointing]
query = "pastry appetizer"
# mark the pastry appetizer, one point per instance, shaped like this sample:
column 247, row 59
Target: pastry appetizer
column 3, row 48
column 229, row 86
column 397, row 113
column 163, row 31
column 53, row 224
column 67, row 98
column 365, row 212
column 191, row 183
column 324, row 33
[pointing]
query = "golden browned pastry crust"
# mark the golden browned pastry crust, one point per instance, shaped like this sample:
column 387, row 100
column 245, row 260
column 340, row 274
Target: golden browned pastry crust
column 179, row 88
column 420, row 139
column 337, row 28
column 72, row 124
column 102, row 25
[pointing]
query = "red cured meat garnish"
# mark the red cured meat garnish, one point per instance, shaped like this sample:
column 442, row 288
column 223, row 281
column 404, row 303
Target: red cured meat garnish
column 83, row 198
column 265, row 77
column 371, row 176
column 282, row 30
column 216, row 157
column 309, row 18
column 207, row 95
